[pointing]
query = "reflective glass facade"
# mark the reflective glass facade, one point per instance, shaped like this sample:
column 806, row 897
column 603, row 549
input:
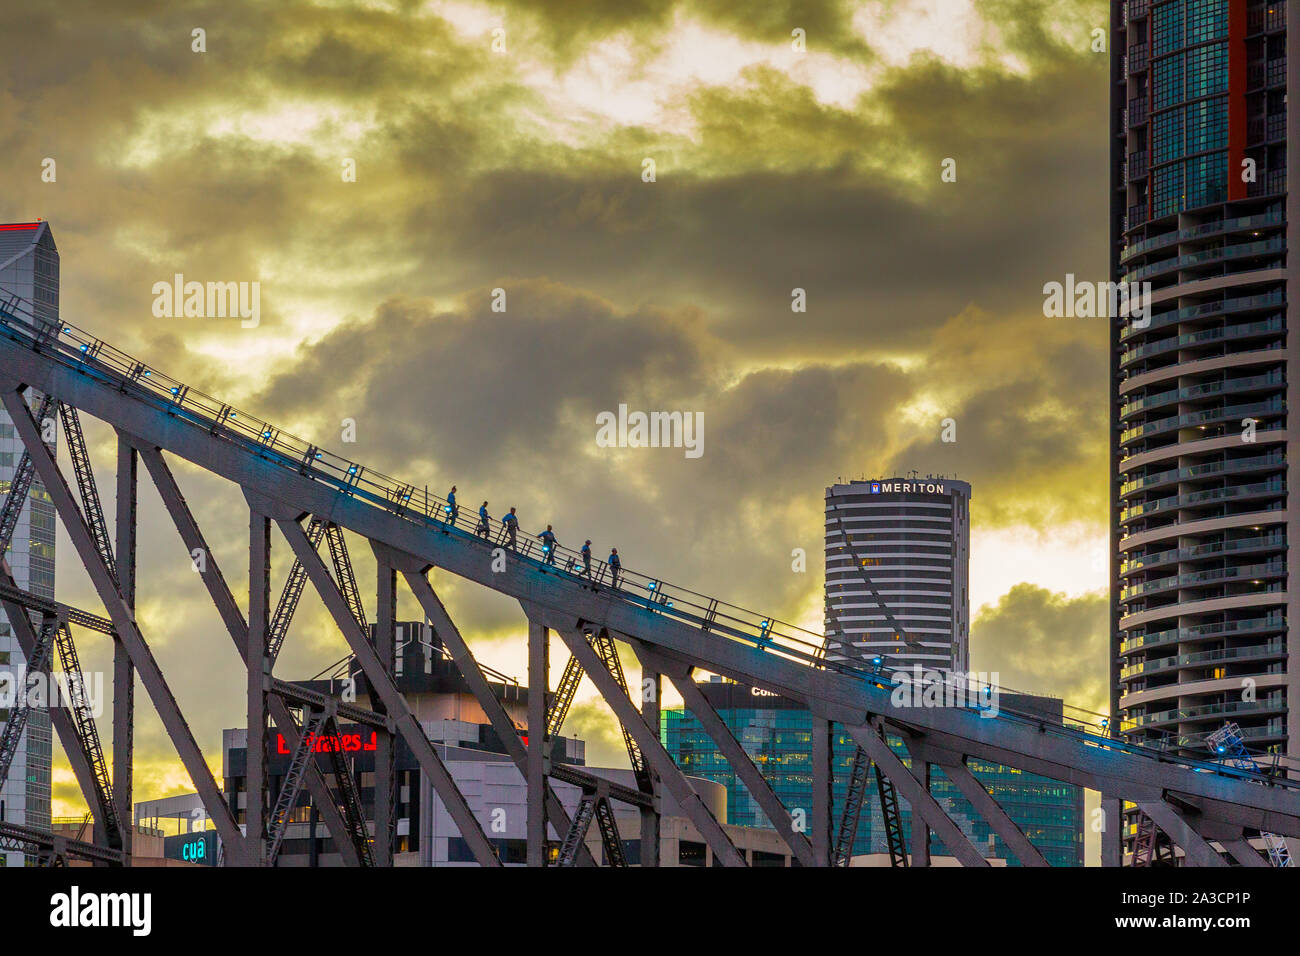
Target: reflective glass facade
column 29, row 267
column 777, row 735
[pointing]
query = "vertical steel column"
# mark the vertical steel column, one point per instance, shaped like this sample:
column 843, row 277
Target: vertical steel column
column 123, row 671
column 259, row 676
column 385, row 743
column 1112, row 834
column 539, row 666
column 823, row 779
column 920, row 829
column 651, row 691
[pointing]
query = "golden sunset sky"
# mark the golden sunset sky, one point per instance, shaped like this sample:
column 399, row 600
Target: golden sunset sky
column 521, row 169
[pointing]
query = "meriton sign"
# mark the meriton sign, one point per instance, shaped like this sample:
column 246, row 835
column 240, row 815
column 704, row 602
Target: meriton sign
column 905, row 487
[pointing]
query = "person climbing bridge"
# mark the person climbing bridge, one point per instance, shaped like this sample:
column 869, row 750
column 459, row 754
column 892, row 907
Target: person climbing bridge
column 548, row 544
column 510, row 525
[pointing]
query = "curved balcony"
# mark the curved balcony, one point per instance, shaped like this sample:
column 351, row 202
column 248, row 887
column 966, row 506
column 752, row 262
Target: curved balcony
column 1272, row 406
column 1273, row 648
column 1227, row 333
column 1203, row 578
column 1235, row 466
column 1253, row 625
column 1205, row 257
column 1235, row 708
column 1200, row 232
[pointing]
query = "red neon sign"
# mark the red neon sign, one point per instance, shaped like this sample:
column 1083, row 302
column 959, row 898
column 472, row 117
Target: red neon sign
column 331, row 743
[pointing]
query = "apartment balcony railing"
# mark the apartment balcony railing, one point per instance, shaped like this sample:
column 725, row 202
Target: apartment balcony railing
column 1203, row 337
column 1204, row 229
column 1222, row 307
column 1269, row 622
column 1233, row 467
column 1236, row 707
column 1198, row 499
column 1270, row 649
column 1204, row 256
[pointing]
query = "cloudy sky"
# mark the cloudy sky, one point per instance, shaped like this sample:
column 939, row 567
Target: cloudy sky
column 504, row 146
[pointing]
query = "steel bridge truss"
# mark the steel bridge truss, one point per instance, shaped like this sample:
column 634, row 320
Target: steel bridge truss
column 310, row 497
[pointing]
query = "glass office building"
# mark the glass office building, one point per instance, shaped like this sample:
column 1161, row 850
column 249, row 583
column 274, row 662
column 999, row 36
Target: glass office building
column 777, row 734
column 1201, row 513
column 29, row 268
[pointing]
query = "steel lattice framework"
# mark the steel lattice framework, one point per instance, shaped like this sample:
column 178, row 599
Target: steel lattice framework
column 311, row 495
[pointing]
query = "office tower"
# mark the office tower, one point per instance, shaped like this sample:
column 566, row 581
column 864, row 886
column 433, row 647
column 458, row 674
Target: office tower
column 29, row 268
column 899, row 590
column 777, row 735
column 1200, row 512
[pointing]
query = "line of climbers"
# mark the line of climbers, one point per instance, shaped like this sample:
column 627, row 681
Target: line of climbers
column 509, row 532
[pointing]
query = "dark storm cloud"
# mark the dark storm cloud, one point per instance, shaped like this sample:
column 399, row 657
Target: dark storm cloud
column 924, row 297
column 568, row 26
column 1045, row 643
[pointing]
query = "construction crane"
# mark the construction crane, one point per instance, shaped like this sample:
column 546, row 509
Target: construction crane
column 1226, row 743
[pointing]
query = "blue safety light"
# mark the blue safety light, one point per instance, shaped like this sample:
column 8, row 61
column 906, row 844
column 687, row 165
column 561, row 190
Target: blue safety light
column 267, row 433
column 670, row 604
column 876, row 661
column 352, row 470
column 446, row 509
column 651, row 585
column 175, row 390
column 67, row 328
column 319, row 455
column 83, row 346
column 147, row 373
column 233, row 415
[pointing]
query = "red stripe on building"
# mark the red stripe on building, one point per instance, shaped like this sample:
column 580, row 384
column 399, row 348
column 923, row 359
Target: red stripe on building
column 17, row 226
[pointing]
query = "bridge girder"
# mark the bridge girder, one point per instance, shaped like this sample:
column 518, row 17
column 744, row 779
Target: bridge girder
column 1189, row 804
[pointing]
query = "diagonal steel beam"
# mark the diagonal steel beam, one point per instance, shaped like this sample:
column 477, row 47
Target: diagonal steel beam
column 73, row 746
column 278, row 822
column 734, row 753
column 1194, row 846
column 478, row 684
column 237, row 628
column 994, row 815
column 123, row 618
column 648, row 741
column 1244, row 853
column 921, row 802
column 382, row 683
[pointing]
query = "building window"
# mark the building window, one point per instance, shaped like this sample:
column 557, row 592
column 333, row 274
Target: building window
column 1168, row 192
column 1167, row 136
column 1207, row 70
column 1207, row 125
column 1168, row 82
column 1206, row 20
column 1167, row 27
